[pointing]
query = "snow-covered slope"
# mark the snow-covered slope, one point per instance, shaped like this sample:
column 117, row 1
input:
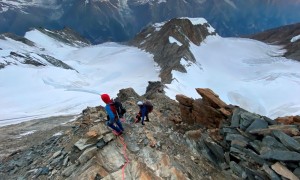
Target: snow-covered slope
column 29, row 91
column 243, row 72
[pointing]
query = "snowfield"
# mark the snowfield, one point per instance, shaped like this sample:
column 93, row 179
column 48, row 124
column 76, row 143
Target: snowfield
column 242, row 72
column 30, row 92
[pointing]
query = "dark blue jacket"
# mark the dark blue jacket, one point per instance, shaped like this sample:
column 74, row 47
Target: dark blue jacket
column 110, row 113
column 143, row 111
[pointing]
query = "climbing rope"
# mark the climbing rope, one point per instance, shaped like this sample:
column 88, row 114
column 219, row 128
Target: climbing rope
column 122, row 141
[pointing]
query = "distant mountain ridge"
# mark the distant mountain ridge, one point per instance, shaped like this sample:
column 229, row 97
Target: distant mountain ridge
column 36, row 55
column 119, row 20
column 287, row 36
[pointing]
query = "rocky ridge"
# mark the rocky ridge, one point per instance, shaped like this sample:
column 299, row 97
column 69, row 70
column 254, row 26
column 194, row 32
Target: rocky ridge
column 283, row 36
column 89, row 150
column 119, row 20
column 250, row 145
column 156, row 40
column 193, row 139
column 38, row 57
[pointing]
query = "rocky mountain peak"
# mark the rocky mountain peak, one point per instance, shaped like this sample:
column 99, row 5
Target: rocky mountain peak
column 67, row 36
column 169, row 42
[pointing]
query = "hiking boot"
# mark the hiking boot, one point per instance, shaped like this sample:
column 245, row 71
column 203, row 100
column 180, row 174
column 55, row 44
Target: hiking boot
column 136, row 120
column 117, row 133
column 143, row 123
column 147, row 120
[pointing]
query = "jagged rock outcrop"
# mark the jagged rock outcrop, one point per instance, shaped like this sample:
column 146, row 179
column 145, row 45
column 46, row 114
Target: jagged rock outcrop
column 209, row 111
column 126, row 94
column 156, row 40
column 249, row 145
column 67, row 36
column 154, row 88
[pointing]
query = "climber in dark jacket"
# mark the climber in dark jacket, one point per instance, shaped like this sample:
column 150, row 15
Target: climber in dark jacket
column 112, row 113
column 142, row 113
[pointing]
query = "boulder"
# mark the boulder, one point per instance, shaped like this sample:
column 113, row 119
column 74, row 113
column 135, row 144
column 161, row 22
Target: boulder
column 236, row 117
column 99, row 129
column 269, row 142
column 288, row 120
column 285, row 120
column 153, row 88
column 288, row 141
column 91, row 134
column 283, row 171
column 237, row 169
column 210, row 98
column 83, row 144
column 69, row 170
column 186, row 114
column 297, row 172
column 291, row 130
column 257, row 124
column 87, row 155
column 270, row 172
column 215, row 148
column 110, row 157
column 206, row 115
column 194, row 134
column 126, row 94
column 280, row 155
column 225, row 112
column 184, row 100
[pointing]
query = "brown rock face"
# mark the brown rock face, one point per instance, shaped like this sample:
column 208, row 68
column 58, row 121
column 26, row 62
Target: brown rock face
column 168, row 55
column 209, row 111
column 210, row 98
column 186, row 107
column 288, row 120
column 184, row 100
column 186, row 114
column 206, row 115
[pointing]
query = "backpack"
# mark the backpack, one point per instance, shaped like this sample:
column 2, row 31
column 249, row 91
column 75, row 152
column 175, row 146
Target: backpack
column 117, row 108
column 149, row 106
